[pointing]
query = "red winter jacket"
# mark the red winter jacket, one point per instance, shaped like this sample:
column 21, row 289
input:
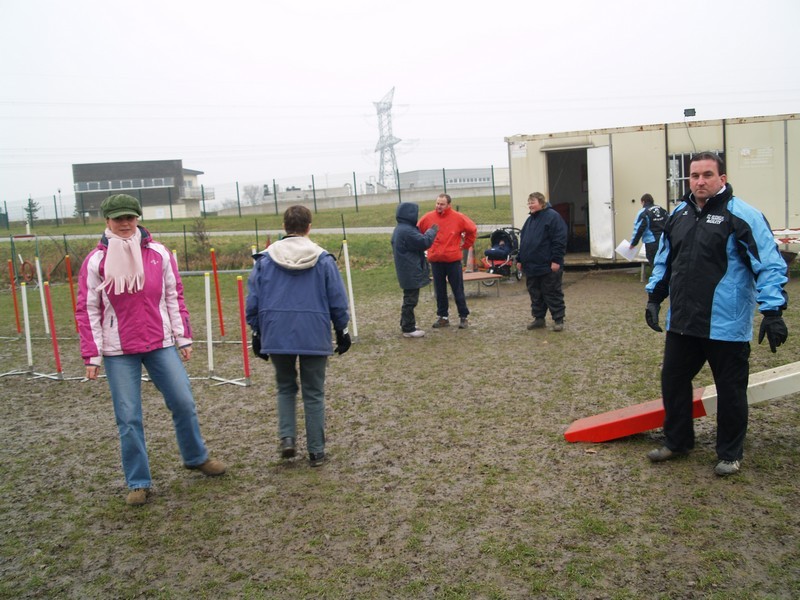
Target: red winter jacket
column 448, row 244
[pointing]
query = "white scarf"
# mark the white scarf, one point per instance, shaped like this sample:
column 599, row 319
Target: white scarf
column 123, row 268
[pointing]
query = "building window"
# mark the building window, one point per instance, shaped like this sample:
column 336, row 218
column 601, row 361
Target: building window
column 678, row 176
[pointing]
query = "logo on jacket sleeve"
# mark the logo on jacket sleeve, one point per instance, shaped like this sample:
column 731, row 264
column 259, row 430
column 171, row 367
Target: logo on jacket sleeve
column 715, row 219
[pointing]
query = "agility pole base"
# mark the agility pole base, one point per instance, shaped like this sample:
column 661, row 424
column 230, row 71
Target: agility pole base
column 615, row 424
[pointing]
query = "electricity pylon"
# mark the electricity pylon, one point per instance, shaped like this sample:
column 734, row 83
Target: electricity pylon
column 386, row 141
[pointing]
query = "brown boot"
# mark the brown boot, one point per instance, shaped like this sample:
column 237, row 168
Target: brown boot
column 210, row 468
column 137, row 497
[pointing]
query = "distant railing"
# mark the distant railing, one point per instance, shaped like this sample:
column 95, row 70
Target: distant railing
column 318, row 192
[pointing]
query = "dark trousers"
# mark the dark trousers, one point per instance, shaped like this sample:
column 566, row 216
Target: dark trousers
column 545, row 291
column 442, row 273
column 650, row 251
column 684, row 356
column 408, row 322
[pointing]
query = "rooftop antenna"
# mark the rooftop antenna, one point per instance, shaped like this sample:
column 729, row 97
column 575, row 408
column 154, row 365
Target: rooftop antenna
column 386, row 141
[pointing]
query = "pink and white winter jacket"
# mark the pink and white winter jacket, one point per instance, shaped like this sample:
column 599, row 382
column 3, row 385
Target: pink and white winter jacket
column 111, row 324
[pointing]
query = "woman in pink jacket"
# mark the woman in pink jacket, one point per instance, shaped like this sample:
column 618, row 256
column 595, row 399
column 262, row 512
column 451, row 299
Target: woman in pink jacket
column 131, row 313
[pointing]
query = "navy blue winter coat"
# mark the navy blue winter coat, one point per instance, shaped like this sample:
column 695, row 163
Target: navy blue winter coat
column 408, row 247
column 543, row 240
column 295, row 292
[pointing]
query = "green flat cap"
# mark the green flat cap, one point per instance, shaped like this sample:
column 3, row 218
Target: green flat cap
column 120, row 205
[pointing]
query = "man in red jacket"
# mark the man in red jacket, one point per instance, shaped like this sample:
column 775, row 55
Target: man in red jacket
column 457, row 233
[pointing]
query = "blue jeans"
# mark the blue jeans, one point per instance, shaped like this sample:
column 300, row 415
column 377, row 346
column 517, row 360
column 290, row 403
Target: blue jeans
column 166, row 370
column 442, row 273
column 312, row 380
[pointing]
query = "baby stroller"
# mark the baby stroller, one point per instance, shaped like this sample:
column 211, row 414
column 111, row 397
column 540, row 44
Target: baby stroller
column 501, row 257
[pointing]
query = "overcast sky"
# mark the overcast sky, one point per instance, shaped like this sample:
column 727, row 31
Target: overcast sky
column 253, row 90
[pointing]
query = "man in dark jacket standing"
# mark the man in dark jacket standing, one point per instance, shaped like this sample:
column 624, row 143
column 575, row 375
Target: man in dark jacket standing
column 408, row 247
column 543, row 242
column 717, row 260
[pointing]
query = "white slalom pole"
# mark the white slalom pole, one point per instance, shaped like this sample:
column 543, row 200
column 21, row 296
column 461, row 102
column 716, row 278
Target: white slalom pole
column 41, row 295
column 24, row 294
column 350, row 290
column 209, row 332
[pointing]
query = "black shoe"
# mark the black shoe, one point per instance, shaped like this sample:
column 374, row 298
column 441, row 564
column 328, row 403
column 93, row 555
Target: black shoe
column 316, row 459
column 441, row 322
column 287, row 447
column 537, row 323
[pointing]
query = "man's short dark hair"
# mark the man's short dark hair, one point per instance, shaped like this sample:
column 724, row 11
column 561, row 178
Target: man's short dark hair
column 710, row 156
column 297, row 220
column 647, row 199
column 446, row 197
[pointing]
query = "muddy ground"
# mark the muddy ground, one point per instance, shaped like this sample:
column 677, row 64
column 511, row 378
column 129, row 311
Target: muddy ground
column 449, row 476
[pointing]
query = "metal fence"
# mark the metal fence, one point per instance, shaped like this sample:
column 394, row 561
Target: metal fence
column 330, row 190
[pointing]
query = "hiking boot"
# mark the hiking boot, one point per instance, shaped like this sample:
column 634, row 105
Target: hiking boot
column 287, row 447
column 559, row 326
column 137, row 497
column 463, row 323
column 727, row 467
column 210, row 468
column 417, row 333
column 316, row 459
column 441, row 322
column 536, row 324
column 663, row 453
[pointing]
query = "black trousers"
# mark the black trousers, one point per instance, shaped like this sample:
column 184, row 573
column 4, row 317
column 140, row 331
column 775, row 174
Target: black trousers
column 684, row 356
column 545, row 292
column 650, row 251
column 408, row 321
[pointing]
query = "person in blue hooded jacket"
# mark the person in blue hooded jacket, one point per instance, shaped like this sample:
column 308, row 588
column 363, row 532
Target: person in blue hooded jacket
column 411, row 266
column 648, row 226
column 295, row 292
column 717, row 259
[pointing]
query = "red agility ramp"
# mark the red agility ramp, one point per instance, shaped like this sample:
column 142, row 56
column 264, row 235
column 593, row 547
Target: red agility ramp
column 639, row 418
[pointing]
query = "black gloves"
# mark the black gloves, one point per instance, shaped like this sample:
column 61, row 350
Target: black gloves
column 343, row 341
column 774, row 328
column 257, row 346
column 651, row 316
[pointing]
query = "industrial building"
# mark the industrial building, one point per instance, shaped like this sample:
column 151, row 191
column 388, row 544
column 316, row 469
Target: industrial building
column 164, row 188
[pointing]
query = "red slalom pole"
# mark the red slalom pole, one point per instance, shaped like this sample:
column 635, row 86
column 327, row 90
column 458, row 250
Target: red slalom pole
column 14, row 293
column 52, row 327
column 71, row 290
column 216, row 288
column 245, row 354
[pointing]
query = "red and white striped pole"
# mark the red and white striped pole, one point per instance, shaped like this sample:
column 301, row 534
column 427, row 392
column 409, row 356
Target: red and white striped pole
column 71, row 290
column 14, row 293
column 219, row 298
column 59, row 374
column 245, row 354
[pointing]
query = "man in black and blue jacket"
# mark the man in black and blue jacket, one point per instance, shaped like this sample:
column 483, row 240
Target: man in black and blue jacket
column 648, row 226
column 717, row 259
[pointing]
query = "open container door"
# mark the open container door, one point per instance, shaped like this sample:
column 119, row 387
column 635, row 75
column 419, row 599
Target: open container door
column 601, row 202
